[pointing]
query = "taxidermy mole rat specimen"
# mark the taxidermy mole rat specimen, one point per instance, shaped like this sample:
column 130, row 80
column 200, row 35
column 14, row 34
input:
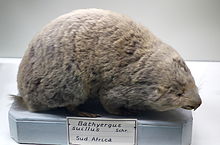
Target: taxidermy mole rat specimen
column 99, row 54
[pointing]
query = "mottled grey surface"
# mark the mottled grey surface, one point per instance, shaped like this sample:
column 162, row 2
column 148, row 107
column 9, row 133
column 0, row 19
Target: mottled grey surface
column 95, row 53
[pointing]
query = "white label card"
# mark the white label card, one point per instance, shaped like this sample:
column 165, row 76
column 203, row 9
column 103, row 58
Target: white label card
column 93, row 131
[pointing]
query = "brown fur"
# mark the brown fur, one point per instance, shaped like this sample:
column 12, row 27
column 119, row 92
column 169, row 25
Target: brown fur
column 95, row 53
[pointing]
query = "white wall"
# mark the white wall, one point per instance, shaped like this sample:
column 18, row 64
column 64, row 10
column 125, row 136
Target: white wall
column 190, row 26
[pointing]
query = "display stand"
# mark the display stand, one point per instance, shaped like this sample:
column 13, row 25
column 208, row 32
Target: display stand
column 154, row 128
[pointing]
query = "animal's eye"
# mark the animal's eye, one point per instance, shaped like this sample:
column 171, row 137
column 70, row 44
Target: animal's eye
column 179, row 94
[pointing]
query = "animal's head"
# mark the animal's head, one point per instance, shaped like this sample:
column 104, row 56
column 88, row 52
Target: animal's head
column 168, row 81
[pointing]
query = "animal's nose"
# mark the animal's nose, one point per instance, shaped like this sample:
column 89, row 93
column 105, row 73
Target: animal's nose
column 194, row 103
column 197, row 102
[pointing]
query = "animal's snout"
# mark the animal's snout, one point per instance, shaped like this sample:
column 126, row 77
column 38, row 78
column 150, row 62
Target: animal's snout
column 193, row 104
column 197, row 102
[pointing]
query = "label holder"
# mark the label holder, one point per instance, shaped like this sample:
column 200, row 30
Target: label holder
column 103, row 122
